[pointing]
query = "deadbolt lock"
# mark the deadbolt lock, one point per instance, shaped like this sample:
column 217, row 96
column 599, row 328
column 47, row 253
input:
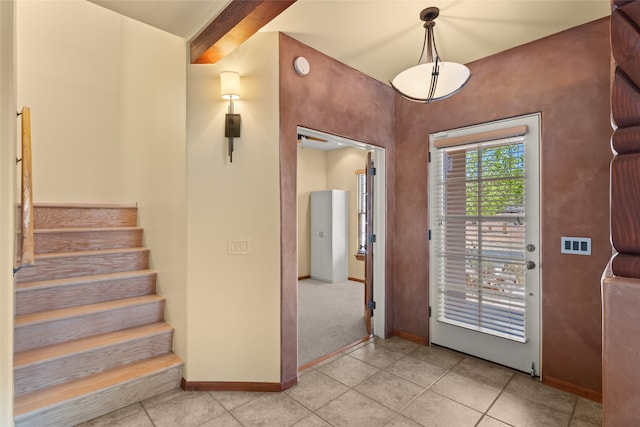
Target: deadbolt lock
column 531, row 248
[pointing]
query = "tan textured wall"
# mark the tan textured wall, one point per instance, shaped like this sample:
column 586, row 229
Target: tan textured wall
column 359, row 108
column 566, row 77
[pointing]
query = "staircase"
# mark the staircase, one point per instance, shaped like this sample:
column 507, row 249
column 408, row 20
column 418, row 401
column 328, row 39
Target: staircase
column 90, row 335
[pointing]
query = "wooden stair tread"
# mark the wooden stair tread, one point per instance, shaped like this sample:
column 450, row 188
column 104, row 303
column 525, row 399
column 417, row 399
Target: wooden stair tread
column 25, row 358
column 86, row 205
column 96, row 252
column 63, row 313
column 42, row 284
column 82, row 386
column 84, row 230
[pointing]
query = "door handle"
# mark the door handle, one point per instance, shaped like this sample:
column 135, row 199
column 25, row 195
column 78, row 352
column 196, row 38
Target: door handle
column 530, row 265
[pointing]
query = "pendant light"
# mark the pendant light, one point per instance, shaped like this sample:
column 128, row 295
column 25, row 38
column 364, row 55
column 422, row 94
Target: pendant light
column 432, row 79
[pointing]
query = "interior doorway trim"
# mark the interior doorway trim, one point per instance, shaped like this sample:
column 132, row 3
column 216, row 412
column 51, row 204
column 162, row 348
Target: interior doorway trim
column 379, row 222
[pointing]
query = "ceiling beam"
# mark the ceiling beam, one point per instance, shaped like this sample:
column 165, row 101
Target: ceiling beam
column 236, row 23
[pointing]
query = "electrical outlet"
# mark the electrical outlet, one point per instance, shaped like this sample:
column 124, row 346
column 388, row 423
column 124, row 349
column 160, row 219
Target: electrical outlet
column 575, row 245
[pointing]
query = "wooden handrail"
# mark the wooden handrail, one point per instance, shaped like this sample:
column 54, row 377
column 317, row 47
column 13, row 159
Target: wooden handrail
column 25, row 256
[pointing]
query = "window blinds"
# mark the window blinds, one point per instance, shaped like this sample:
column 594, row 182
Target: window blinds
column 478, row 235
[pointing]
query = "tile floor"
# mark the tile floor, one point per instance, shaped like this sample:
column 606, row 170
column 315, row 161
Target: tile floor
column 379, row 383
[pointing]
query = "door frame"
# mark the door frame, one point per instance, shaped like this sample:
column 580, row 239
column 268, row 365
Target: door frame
column 378, row 155
column 473, row 341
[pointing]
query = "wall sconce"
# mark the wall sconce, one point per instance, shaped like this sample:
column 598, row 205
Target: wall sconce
column 230, row 89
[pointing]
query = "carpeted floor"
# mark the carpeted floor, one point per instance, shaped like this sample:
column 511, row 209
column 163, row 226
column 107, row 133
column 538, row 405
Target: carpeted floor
column 330, row 317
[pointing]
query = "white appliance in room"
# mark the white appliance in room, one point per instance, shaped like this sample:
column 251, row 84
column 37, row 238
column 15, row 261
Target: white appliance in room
column 329, row 235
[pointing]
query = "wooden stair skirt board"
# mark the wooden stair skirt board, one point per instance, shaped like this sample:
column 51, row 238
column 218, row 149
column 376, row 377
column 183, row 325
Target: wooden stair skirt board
column 90, row 335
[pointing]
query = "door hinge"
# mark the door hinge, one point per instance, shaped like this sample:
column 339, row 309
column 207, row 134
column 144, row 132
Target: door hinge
column 372, row 238
column 429, row 156
column 372, row 171
column 371, row 305
column 429, row 311
column 429, row 234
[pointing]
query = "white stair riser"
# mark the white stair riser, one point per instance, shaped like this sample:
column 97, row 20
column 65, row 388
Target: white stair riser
column 43, row 334
column 79, row 217
column 72, row 241
column 83, row 265
column 52, row 298
column 52, row 372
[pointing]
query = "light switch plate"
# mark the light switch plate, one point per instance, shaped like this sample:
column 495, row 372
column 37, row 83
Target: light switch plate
column 238, row 245
column 575, row 245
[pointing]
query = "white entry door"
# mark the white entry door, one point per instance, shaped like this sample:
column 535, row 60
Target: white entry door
column 484, row 202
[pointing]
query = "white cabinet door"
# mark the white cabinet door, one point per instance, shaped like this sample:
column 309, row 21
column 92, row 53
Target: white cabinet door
column 329, row 235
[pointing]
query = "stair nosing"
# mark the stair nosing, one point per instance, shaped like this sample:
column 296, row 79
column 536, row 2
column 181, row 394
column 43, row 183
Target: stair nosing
column 94, row 252
column 90, row 343
column 84, row 230
column 128, row 205
column 76, row 280
column 85, row 309
column 170, row 358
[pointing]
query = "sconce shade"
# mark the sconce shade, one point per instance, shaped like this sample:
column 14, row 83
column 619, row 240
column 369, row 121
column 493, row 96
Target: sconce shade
column 230, row 85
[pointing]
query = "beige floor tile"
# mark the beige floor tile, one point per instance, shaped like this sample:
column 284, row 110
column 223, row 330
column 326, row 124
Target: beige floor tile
column 355, row 410
column 416, row 371
column 377, row 355
column 348, row 370
column 225, row 420
column 312, row 420
column 187, row 409
column 485, row 372
column 316, row 390
column 329, row 360
column 523, row 385
column 163, row 397
column 487, row 421
column 400, row 421
column 438, row 356
column 432, row 409
column 398, row 344
column 471, row 393
column 588, row 410
column 393, row 392
column 233, row 399
column 130, row 416
column 581, row 423
column 272, row 409
column 521, row 412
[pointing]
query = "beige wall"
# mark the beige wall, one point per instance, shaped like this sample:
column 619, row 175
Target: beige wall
column 107, row 98
column 328, row 170
column 69, row 68
column 152, row 157
column 341, row 167
column 312, row 176
column 234, row 300
column 7, row 200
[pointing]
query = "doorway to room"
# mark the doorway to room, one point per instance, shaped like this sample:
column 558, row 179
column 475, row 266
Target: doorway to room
column 484, row 198
column 333, row 303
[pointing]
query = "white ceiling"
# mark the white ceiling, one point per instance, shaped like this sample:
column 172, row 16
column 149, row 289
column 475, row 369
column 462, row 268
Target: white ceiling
column 382, row 37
